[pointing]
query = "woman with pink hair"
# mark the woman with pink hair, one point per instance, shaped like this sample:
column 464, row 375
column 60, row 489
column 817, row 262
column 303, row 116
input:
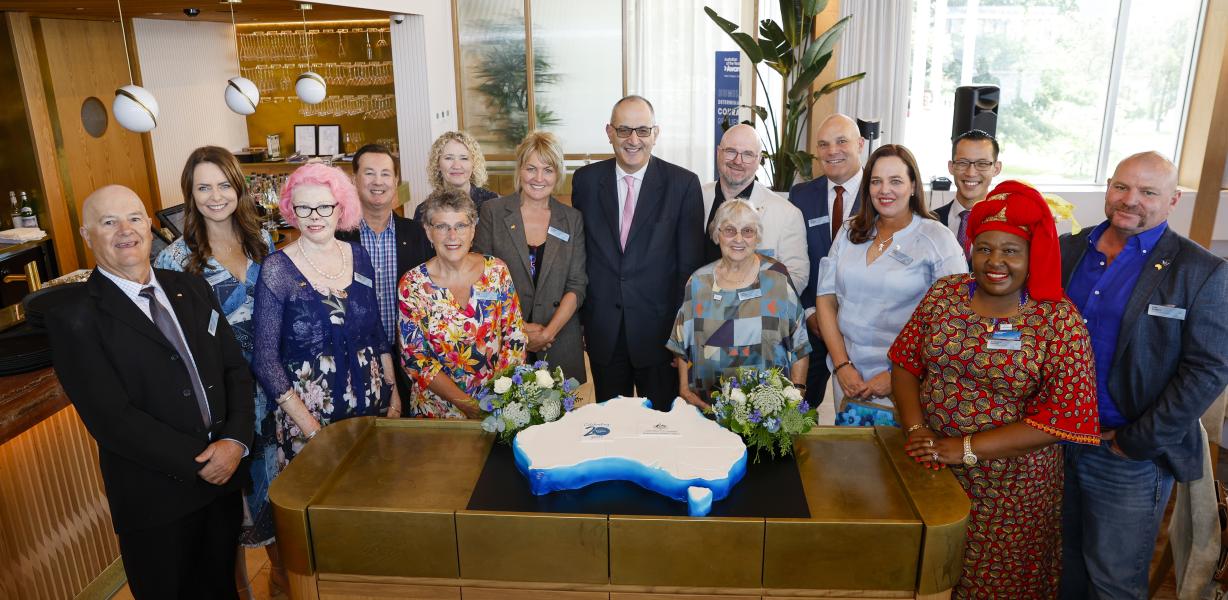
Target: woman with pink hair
column 320, row 344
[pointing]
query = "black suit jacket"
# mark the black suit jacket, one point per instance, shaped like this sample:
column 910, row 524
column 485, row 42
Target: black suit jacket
column 811, row 198
column 944, row 211
column 645, row 282
column 1167, row 372
column 135, row 397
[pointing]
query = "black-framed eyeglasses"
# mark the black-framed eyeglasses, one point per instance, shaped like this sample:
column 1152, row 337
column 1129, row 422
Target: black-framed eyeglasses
column 324, row 210
column 640, row 132
column 981, row 165
column 747, row 155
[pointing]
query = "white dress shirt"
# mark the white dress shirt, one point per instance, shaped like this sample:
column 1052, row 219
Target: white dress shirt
column 851, row 187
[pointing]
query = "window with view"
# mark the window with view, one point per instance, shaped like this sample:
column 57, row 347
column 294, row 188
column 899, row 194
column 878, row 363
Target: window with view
column 1083, row 83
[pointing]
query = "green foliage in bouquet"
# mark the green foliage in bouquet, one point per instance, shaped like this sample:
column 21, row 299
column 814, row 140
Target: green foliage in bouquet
column 764, row 408
column 525, row 395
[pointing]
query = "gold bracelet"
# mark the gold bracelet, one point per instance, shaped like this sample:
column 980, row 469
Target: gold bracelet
column 281, row 400
column 914, row 428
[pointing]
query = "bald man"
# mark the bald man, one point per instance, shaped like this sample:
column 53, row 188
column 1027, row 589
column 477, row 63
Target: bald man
column 1156, row 306
column 826, row 203
column 784, row 228
column 155, row 372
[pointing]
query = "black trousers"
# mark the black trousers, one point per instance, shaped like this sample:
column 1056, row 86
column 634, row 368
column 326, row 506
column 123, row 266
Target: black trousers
column 817, row 375
column 619, row 377
column 193, row 557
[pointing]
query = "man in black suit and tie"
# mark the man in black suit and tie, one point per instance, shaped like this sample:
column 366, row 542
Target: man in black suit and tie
column 826, row 203
column 396, row 244
column 1156, row 306
column 973, row 165
column 644, row 236
column 154, row 371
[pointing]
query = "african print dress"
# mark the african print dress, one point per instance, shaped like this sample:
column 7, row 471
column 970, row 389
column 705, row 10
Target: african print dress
column 761, row 325
column 468, row 344
column 1013, row 548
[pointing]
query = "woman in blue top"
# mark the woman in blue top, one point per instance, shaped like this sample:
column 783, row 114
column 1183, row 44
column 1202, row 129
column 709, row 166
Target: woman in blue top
column 879, row 267
column 223, row 242
column 321, row 352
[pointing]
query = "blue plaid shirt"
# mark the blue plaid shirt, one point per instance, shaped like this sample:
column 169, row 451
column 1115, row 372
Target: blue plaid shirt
column 383, row 250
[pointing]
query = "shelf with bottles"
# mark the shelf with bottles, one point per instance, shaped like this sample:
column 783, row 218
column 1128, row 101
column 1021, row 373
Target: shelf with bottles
column 21, row 213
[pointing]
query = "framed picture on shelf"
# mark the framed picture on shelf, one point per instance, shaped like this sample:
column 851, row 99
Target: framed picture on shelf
column 328, row 140
column 305, row 140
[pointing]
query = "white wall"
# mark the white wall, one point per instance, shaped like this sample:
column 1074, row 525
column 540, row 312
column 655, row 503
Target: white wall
column 185, row 65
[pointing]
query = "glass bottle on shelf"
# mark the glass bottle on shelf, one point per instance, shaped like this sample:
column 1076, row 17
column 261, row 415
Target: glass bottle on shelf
column 28, row 218
column 15, row 216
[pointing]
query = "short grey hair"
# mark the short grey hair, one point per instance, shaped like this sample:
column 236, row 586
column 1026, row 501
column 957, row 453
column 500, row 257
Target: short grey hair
column 727, row 214
column 448, row 199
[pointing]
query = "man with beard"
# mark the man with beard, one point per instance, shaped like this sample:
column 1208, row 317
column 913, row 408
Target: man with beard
column 973, row 165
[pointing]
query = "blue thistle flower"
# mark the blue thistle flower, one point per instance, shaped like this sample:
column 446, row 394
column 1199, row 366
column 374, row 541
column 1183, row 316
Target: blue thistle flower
column 804, row 407
column 569, row 402
column 541, row 364
column 755, row 417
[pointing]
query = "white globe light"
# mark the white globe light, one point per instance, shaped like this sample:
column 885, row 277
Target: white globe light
column 310, row 87
column 135, row 108
column 242, row 95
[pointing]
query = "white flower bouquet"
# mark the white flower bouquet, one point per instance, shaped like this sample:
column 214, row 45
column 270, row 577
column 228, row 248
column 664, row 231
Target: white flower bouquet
column 525, row 395
column 764, row 408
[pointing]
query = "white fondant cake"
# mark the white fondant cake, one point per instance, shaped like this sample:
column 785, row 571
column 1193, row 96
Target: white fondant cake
column 680, row 454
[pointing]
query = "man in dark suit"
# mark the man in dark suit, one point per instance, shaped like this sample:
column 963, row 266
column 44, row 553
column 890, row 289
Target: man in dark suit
column 644, row 232
column 826, row 203
column 1156, row 306
column 396, row 244
column 156, row 374
column 973, row 165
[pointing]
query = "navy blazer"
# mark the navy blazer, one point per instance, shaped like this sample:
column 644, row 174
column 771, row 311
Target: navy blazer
column 413, row 247
column 1167, row 372
column 811, row 198
column 645, row 282
column 135, row 396
column 944, row 211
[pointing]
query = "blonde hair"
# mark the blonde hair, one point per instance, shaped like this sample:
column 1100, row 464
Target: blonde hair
column 476, row 178
column 546, row 146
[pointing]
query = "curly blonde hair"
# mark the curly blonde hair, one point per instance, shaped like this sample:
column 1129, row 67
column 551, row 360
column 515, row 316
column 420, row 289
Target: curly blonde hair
column 476, row 178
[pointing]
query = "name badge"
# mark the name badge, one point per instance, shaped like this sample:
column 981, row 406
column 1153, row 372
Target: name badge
column 717, row 297
column 815, row 222
column 485, row 296
column 213, row 316
column 1166, row 312
column 218, row 277
column 363, row 279
column 900, row 257
column 1006, row 334
column 768, row 252
column 749, row 294
column 558, row 233
column 999, row 344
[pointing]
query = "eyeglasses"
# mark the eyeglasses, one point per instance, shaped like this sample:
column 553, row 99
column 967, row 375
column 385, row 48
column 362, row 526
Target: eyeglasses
column 729, row 232
column 747, row 156
column 444, row 228
column 324, row 210
column 981, row 165
column 640, row 132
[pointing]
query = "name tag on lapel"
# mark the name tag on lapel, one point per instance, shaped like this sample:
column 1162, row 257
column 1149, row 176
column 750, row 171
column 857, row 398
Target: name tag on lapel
column 363, row 279
column 559, row 233
column 899, row 256
column 1166, row 312
column 485, row 296
column 750, row 294
column 217, row 278
column 995, row 343
column 815, row 222
column 213, row 317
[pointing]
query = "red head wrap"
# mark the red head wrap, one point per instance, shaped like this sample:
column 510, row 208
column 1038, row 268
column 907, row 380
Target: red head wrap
column 1019, row 209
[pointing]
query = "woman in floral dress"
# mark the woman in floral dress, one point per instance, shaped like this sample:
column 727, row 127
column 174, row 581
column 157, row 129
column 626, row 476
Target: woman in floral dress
column 460, row 316
column 320, row 345
column 991, row 371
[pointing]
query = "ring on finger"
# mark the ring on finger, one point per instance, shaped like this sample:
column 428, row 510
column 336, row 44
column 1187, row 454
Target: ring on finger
column 931, row 441
column 935, row 455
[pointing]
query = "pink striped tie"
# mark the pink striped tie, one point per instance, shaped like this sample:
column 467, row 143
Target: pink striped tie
column 628, row 212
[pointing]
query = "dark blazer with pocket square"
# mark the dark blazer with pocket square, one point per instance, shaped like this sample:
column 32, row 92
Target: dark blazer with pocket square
column 135, row 396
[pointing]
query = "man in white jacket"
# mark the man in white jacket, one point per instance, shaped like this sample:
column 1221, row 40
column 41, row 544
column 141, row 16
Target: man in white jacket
column 784, row 229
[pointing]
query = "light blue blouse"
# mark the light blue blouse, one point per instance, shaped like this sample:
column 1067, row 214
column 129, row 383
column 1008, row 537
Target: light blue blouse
column 876, row 300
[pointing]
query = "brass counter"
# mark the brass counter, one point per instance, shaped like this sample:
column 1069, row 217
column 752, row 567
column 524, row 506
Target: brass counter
column 377, row 508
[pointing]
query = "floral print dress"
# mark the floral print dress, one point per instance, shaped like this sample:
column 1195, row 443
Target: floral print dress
column 238, row 300
column 325, row 345
column 468, row 344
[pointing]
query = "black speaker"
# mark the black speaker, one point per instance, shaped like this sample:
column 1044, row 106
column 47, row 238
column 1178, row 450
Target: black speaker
column 976, row 107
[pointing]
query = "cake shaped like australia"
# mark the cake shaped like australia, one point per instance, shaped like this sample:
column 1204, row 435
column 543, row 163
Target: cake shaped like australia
column 679, row 454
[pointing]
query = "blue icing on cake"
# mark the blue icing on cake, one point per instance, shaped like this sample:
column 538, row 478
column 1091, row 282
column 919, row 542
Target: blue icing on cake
column 679, row 454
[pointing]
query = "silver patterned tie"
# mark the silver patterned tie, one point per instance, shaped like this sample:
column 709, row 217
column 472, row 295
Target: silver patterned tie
column 166, row 325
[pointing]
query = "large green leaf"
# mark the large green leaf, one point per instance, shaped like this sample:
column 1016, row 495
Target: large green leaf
column 771, row 36
column 825, row 42
column 810, row 8
column 839, row 83
column 743, row 40
column 801, row 87
column 725, row 24
column 791, row 23
column 758, row 110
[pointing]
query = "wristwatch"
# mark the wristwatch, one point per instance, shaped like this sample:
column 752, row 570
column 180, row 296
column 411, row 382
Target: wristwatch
column 969, row 458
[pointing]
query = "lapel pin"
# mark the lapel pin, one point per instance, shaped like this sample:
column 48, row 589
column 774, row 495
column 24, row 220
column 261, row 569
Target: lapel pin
column 1162, row 264
column 178, row 295
column 513, row 226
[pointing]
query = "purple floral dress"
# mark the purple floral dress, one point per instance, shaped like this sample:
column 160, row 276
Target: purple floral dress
column 326, row 346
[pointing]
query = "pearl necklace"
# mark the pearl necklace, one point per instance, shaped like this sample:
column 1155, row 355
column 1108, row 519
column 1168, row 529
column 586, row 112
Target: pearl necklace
column 303, row 252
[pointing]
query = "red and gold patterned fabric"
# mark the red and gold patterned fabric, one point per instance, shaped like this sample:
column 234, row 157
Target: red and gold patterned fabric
column 1013, row 548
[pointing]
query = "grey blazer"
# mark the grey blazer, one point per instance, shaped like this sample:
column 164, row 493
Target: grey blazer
column 1166, row 372
column 500, row 233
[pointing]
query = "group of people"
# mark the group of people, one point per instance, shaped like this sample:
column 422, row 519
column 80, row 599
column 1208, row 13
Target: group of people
column 974, row 327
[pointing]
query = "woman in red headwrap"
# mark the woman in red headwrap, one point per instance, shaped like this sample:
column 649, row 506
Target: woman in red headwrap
column 992, row 370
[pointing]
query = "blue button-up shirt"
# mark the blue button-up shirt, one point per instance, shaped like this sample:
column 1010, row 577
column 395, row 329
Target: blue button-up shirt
column 1101, row 291
column 383, row 250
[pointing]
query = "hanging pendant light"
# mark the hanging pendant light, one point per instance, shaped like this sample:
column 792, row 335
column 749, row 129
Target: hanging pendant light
column 310, row 86
column 242, row 96
column 134, row 107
